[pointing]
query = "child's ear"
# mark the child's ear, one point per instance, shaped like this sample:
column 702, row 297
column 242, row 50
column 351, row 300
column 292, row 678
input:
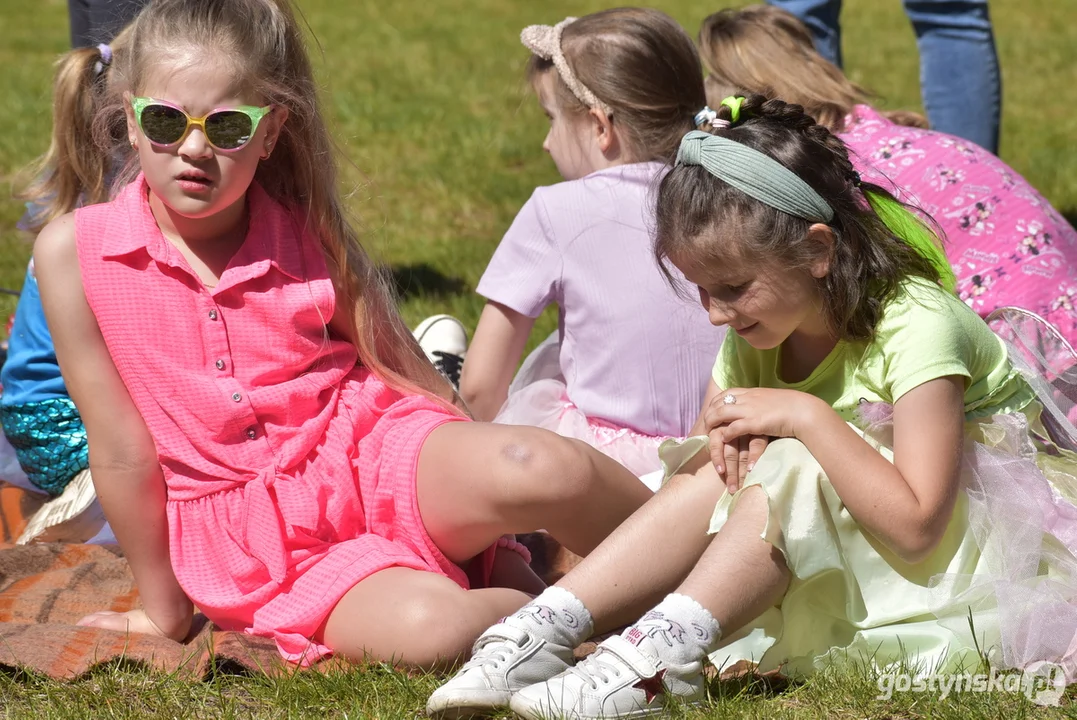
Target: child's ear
column 132, row 124
column 274, row 123
column 823, row 235
column 605, row 133
column 271, row 127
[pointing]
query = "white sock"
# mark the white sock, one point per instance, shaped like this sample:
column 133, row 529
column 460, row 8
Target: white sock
column 556, row 616
column 679, row 629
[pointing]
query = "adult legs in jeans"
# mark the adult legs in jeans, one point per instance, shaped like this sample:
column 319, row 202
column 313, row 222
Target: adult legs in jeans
column 821, row 17
column 959, row 73
column 98, row 21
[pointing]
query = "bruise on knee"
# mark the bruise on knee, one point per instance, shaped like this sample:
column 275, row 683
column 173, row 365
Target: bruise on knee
column 517, row 453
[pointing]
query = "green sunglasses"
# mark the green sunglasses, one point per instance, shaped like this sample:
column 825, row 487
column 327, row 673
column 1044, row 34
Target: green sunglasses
column 226, row 129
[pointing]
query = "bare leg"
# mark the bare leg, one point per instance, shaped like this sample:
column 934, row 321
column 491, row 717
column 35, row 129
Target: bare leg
column 644, row 559
column 414, row 618
column 650, row 553
column 478, row 481
column 740, row 575
column 511, row 571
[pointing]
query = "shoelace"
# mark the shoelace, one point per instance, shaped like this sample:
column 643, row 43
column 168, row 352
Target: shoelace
column 594, row 666
column 493, row 650
column 449, row 365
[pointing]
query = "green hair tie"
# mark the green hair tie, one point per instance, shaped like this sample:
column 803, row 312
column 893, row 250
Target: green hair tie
column 733, row 103
column 908, row 227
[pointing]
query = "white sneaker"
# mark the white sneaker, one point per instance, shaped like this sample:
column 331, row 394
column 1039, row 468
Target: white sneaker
column 617, row 681
column 444, row 340
column 505, row 659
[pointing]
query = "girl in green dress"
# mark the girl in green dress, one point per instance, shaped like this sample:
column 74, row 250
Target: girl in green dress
column 869, row 470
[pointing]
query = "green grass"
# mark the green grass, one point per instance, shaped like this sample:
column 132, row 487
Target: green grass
column 120, row 691
column 428, row 102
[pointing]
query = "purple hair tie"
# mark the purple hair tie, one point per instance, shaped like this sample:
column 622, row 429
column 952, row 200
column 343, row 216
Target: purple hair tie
column 105, row 61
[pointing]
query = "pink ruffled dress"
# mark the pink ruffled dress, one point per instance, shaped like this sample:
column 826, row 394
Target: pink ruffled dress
column 290, row 468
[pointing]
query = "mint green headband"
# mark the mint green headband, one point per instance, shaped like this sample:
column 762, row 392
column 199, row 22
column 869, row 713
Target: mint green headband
column 755, row 174
column 763, row 178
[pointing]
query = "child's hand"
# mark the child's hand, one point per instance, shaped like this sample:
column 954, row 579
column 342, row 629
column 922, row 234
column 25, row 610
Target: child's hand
column 761, row 411
column 135, row 621
column 739, row 421
column 734, row 460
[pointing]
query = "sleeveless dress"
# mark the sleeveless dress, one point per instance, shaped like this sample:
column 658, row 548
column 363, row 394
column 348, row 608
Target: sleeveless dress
column 290, row 469
column 1003, row 578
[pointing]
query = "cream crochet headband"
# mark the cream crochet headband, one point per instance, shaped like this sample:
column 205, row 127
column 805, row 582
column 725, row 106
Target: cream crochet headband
column 545, row 41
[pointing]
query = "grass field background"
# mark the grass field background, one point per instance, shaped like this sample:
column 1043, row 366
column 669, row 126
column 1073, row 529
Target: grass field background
column 428, row 102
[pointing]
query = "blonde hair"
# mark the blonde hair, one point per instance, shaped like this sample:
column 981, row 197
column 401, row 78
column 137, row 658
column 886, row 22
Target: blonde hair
column 766, row 50
column 264, row 43
column 641, row 65
column 75, row 169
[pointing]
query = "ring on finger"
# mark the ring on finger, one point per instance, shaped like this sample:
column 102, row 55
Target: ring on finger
column 729, row 399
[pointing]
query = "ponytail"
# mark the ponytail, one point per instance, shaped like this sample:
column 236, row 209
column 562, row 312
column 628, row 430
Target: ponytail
column 76, row 168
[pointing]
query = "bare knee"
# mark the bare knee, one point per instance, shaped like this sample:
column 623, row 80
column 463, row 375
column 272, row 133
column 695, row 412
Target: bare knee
column 705, row 481
column 432, row 640
column 404, row 617
column 540, row 466
column 439, row 638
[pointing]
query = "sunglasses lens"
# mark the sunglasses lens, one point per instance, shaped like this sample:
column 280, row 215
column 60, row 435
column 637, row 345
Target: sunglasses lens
column 228, row 129
column 162, row 124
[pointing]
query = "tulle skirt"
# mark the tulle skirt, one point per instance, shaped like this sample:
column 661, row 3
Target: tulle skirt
column 538, row 397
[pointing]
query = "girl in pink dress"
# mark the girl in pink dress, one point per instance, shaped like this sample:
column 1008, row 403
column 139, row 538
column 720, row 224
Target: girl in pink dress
column 266, row 438
column 1007, row 245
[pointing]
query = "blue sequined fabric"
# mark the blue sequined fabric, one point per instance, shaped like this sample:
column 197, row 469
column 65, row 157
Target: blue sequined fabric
column 49, row 440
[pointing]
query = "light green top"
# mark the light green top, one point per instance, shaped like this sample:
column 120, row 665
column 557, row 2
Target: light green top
column 925, row 333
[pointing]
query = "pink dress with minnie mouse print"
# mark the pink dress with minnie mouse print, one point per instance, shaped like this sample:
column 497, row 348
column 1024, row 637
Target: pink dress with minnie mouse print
column 1007, row 245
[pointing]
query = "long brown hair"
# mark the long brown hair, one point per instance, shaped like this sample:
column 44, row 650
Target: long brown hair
column 643, row 66
column 766, row 50
column 76, row 168
column 262, row 44
column 704, row 220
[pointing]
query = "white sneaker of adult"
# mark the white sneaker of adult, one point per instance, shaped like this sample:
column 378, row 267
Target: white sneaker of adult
column 617, row 681
column 505, row 659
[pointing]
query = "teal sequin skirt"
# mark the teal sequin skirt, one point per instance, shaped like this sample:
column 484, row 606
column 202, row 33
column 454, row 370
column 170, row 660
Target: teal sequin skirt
column 49, row 440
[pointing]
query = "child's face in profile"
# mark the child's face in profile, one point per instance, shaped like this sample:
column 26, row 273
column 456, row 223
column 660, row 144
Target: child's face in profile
column 764, row 303
column 570, row 141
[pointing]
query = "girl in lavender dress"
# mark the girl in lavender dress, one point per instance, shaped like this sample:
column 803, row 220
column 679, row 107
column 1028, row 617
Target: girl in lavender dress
column 629, row 365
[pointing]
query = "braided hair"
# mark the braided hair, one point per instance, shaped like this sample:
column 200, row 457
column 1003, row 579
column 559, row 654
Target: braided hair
column 703, row 220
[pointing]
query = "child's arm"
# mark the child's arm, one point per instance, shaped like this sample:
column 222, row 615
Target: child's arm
column 492, row 359
column 906, row 505
column 123, row 459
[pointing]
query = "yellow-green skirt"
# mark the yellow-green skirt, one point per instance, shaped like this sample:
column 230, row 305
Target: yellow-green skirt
column 1002, row 581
